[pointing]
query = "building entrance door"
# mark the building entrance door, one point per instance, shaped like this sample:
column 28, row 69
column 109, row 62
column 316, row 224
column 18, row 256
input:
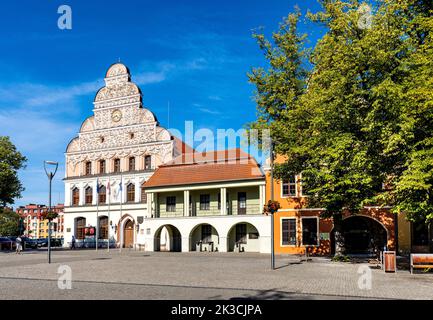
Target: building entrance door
column 128, row 234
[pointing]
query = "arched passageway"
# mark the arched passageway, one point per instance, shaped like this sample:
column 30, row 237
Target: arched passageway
column 204, row 237
column 168, row 238
column 362, row 235
column 243, row 237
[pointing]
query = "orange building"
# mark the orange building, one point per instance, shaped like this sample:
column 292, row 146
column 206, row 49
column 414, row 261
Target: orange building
column 298, row 228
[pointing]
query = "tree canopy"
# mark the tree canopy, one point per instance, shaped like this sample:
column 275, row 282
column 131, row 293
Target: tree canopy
column 9, row 223
column 354, row 114
column 11, row 161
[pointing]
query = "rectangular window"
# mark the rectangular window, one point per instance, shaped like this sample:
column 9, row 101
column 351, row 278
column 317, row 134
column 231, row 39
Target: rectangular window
column 132, row 164
column 88, row 168
column 289, row 187
column 288, row 230
column 204, row 202
column 242, row 203
column 309, row 231
column 241, row 233
column 206, row 233
column 130, row 192
column 102, row 166
column 102, row 197
column 170, row 204
column 116, row 165
column 253, row 235
column 147, row 163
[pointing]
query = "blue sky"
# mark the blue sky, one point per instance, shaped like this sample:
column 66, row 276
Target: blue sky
column 193, row 54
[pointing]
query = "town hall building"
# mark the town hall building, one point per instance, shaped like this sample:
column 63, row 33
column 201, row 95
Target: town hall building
column 131, row 183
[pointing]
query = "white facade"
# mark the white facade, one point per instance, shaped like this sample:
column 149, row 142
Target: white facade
column 122, row 129
column 119, row 130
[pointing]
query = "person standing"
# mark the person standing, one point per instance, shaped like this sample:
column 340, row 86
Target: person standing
column 19, row 245
column 73, row 242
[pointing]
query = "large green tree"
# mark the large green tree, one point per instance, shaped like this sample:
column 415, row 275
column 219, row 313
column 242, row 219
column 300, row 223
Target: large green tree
column 356, row 121
column 11, row 161
column 9, row 223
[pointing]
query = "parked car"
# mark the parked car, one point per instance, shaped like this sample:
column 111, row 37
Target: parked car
column 29, row 243
column 6, row 243
column 43, row 242
column 13, row 244
column 54, row 242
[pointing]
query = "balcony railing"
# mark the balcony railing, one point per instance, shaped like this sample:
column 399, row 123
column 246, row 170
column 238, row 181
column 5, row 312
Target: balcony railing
column 211, row 210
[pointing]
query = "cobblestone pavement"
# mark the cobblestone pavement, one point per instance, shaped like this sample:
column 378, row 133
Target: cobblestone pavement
column 143, row 275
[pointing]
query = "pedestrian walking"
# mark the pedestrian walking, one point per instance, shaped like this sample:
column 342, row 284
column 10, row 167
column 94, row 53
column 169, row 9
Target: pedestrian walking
column 73, row 242
column 18, row 245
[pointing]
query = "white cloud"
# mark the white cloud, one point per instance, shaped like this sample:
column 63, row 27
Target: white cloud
column 41, row 119
column 209, row 111
column 215, row 98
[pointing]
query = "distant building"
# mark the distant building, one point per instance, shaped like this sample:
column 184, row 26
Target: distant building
column 35, row 226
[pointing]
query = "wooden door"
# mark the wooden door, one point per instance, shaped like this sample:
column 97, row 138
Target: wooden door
column 128, row 235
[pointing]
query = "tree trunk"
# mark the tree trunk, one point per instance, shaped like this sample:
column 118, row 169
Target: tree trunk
column 430, row 235
column 338, row 233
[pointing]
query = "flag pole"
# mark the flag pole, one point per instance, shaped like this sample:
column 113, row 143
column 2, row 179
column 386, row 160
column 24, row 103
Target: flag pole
column 109, row 201
column 97, row 214
column 121, row 200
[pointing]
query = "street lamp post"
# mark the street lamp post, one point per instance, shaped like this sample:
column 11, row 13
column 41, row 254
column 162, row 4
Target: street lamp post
column 50, row 175
column 272, row 199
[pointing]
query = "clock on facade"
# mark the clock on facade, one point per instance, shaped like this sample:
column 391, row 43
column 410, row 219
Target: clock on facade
column 116, row 115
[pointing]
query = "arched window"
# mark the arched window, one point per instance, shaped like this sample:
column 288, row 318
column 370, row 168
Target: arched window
column 116, row 166
column 132, row 164
column 102, row 197
column 88, row 168
column 130, row 192
column 75, row 197
column 88, row 195
column 143, row 194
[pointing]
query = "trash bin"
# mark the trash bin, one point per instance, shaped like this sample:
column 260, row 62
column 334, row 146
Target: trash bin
column 389, row 259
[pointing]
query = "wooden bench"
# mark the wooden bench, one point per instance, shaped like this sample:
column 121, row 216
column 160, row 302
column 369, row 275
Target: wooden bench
column 421, row 261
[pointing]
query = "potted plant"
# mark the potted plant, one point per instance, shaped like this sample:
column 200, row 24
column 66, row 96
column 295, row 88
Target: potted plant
column 271, row 207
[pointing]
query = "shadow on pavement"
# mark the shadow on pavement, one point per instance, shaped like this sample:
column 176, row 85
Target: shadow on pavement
column 273, row 294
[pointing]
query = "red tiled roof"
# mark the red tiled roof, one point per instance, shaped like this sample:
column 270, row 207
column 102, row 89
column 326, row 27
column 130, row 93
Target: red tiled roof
column 214, row 166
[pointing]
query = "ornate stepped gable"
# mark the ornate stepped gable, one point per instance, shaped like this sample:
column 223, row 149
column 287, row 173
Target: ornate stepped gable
column 120, row 126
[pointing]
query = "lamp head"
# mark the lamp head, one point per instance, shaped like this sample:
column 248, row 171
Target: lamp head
column 51, row 163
